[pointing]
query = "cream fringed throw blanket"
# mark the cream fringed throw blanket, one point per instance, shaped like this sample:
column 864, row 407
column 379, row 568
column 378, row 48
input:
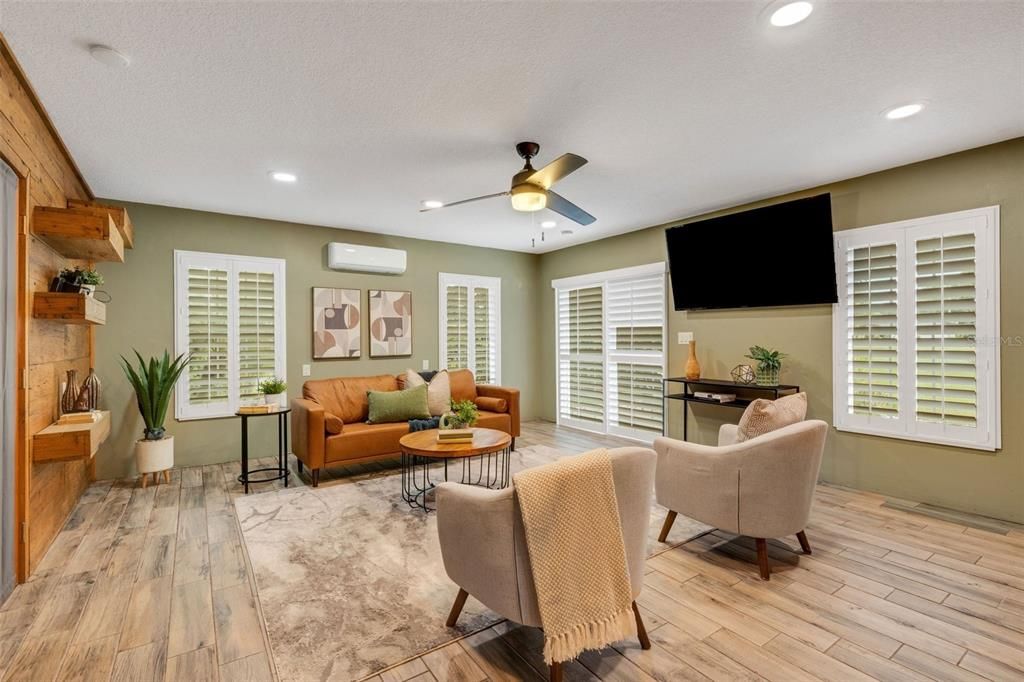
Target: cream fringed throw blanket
column 574, row 538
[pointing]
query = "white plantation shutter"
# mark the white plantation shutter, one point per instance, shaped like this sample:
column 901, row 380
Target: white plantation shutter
column 470, row 325
column 580, row 355
column 872, row 335
column 230, row 317
column 917, row 330
column 611, row 354
column 635, row 328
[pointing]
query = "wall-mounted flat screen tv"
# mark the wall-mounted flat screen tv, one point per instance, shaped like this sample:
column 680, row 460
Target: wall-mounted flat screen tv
column 779, row 255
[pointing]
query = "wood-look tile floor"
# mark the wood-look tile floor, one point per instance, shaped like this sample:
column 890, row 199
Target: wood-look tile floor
column 152, row 584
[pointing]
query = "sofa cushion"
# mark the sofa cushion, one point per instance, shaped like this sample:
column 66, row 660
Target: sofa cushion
column 494, row 420
column 764, row 416
column 463, row 385
column 397, row 406
column 345, row 397
column 364, row 440
column 439, row 392
column 492, row 404
column 333, row 423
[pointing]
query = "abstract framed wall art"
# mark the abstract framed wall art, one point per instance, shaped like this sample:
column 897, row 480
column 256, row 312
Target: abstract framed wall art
column 390, row 323
column 337, row 330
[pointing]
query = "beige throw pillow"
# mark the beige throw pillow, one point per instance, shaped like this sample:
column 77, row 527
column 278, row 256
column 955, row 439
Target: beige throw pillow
column 764, row 416
column 439, row 391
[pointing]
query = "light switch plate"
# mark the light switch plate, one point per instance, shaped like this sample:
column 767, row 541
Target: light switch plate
column 685, row 337
column 426, row 364
column 305, row 370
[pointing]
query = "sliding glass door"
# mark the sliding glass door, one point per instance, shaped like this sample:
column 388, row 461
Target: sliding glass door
column 611, row 350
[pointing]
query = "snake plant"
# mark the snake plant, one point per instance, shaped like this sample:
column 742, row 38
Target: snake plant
column 153, row 383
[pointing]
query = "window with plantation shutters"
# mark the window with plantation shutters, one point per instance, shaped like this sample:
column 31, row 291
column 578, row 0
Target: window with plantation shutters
column 470, row 325
column 916, row 338
column 611, row 350
column 230, row 319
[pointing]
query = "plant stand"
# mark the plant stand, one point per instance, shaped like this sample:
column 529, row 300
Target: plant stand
column 156, row 477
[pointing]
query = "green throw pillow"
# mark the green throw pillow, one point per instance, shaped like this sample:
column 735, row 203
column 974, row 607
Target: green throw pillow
column 398, row 406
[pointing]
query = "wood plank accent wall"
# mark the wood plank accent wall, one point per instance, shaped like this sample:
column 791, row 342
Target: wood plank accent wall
column 48, row 177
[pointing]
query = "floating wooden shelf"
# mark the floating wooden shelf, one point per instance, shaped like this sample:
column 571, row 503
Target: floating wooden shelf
column 70, row 308
column 70, row 441
column 120, row 216
column 83, row 233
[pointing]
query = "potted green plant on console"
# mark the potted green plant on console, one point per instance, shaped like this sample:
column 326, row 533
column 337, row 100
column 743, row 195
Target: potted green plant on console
column 153, row 382
column 273, row 390
column 769, row 363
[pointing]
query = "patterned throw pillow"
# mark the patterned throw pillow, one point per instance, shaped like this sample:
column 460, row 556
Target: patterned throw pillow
column 764, row 416
column 439, row 392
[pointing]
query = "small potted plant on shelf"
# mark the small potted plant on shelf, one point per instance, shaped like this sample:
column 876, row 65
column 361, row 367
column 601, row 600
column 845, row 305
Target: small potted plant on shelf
column 769, row 363
column 463, row 415
column 68, row 281
column 153, row 382
column 89, row 281
column 273, row 390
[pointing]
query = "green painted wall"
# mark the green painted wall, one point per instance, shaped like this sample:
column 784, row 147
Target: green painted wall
column 986, row 483
column 141, row 316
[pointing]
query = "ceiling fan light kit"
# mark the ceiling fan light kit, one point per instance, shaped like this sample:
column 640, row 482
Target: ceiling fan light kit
column 528, row 198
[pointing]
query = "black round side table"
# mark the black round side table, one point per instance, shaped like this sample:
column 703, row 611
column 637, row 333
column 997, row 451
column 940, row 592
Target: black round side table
column 281, row 470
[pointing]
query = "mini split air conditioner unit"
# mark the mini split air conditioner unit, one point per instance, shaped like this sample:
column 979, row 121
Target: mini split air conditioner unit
column 357, row 258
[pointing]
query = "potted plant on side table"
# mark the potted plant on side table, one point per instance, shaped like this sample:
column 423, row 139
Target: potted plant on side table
column 153, row 382
column 273, row 390
column 769, row 363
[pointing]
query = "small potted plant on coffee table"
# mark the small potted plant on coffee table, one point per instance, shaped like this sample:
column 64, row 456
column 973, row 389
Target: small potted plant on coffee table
column 769, row 363
column 153, row 382
column 273, row 390
column 463, row 415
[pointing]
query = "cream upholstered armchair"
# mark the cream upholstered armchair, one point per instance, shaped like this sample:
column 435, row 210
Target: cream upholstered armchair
column 484, row 546
column 761, row 488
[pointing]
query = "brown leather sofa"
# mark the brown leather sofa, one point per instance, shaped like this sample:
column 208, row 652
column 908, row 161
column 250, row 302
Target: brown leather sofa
column 329, row 421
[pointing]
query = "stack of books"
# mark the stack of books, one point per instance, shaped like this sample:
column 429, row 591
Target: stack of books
column 717, row 397
column 79, row 417
column 455, row 436
column 257, row 409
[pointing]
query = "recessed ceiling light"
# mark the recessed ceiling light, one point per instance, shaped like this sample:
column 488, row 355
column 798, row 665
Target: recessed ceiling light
column 790, row 13
column 282, row 176
column 108, row 56
column 433, row 203
column 548, row 224
column 903, row 111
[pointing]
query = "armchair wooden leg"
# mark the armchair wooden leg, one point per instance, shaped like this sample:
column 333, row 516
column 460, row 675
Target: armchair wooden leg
column 641, row 631
column 669, row 520
column 460, row 601
column 316, row 478
column 556, row 672
column 513, row 445
column 762, row 558
column 804, row 544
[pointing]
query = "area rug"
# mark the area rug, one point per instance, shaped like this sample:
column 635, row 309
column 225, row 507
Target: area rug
column 350, row 579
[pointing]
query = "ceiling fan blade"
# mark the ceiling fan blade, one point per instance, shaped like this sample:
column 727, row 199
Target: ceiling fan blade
column 562, row 206
column 465, row 201
column 556, row 170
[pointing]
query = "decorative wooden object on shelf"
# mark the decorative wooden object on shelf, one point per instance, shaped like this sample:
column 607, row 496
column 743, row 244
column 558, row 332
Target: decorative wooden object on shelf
column 83, row 233
column 692, row 366
column 70, row 441
column 70, row 308
column 120, row 216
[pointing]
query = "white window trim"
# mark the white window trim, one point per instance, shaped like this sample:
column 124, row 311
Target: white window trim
column 601, row 279
column 183, row 411
column 446, row 279
column 984, row 223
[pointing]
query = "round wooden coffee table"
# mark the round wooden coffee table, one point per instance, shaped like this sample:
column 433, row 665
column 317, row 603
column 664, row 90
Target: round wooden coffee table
column 484, row 462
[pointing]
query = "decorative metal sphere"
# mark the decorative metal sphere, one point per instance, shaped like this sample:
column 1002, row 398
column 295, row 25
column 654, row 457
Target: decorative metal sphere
column 743, row 374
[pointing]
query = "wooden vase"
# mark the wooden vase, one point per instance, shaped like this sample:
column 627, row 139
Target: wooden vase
column 692, row 366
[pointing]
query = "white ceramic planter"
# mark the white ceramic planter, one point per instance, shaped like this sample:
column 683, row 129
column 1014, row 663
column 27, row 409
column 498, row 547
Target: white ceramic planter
column 279, row 399
column 88, row 289
column 154, row 455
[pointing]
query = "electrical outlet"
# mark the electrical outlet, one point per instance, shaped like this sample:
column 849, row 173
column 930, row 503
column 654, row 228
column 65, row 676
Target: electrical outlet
column 305, row 370
column 685, row 337
column 426, row 364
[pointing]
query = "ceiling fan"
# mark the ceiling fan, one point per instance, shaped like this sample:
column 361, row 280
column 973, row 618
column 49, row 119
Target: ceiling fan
column 531, row 189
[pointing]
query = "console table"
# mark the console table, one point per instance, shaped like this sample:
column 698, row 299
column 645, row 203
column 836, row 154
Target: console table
column 745, row 394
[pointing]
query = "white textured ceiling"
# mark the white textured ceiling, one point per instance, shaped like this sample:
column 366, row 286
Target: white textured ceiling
column 680, row 107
